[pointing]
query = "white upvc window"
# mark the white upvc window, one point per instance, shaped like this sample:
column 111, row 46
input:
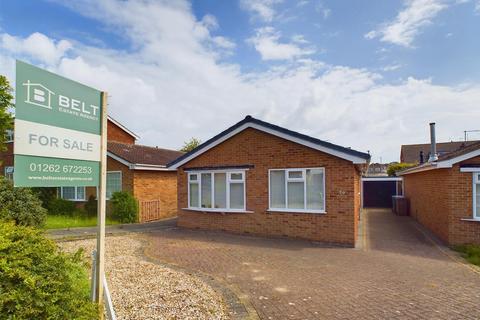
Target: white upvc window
column 9, row 173
column 114, row 183
column 72, row 193
column 297, row 190
column 217, row 190
column 476, row 195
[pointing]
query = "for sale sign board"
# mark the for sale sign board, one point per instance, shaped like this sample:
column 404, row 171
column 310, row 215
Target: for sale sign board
column 57, row 130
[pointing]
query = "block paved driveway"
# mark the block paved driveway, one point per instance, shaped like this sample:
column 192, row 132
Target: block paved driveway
column 396, row 273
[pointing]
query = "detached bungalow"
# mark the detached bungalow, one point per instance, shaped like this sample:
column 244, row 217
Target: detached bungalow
column 259, row 178
column 444, row 194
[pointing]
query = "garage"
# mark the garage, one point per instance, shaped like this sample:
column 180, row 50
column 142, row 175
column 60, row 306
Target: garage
column 377, row 192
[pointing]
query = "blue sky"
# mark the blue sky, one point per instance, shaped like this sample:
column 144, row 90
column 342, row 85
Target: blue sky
column 365, row 74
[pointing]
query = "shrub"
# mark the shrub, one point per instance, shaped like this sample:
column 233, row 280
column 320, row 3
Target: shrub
column 393, row 168
column 20, row 205
column 46, row 195
column 61, row 207
column 124, row 207
column 39, row 282
column 91, row 206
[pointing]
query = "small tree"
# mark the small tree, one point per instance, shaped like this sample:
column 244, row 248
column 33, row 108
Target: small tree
column 393, row 168
column 6, row 119
column 124, row 207
column 190, row 145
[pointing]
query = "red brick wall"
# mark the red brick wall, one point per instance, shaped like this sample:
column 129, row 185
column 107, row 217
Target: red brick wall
column 117, row 134
column 462, row 231
column 265, row 152
column 6, row 158
column 157, row 185
column 440, row 199
column 428, row 194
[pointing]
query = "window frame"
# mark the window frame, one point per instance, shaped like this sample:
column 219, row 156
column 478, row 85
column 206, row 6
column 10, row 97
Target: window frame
column 106, row 180
column 304, row 180
column 77, row 199
column 475, row 182
column 228, row 181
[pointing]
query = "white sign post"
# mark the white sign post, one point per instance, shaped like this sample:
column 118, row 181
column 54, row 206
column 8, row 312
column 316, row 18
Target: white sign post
column 102, row 191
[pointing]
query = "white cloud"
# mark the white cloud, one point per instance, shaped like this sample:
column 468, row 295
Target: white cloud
column 266, row 42
column 323, row 10
column 392, row 67
column 477, row 7
column 415, row 15
column 37, row 45
column 262, row 9
column 172, row 85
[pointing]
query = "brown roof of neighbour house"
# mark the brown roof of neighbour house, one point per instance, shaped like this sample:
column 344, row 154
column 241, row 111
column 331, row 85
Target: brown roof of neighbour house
column 410, row 153
column 138, row 154
column 448, row 159
column 472, row 146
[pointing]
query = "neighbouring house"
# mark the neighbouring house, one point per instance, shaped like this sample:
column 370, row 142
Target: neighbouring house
column 259, row 178
column 377, row 170
column 419, row 153
column 138, row 169
column 444, row 194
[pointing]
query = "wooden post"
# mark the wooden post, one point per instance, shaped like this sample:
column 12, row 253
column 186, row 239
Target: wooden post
column 101, row 209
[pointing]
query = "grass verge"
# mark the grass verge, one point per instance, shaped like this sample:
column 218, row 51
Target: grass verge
column 61, row 222
column 470, row 252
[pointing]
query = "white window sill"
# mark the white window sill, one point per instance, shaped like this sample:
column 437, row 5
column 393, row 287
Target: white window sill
column 75, row 200
column 471, row 219
column 297, row 211
column 217, row 210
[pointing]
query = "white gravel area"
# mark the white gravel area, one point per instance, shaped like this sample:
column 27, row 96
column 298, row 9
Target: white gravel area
column 145, row 290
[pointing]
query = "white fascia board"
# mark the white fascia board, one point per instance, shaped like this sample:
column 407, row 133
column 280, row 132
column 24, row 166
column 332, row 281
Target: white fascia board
column 470, row 169
column 121, row 160
column 382, row 179
column 432, row 166
column 342, row 155
column 121, row 126
column 150, row 167
column 450, row 162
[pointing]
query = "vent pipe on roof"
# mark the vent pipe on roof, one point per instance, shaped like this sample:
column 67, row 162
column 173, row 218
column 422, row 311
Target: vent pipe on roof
column 433, row 144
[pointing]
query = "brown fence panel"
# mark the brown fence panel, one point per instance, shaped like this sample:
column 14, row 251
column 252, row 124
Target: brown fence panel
column 149, row 210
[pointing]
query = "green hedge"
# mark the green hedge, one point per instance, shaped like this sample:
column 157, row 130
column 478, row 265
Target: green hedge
column 39, row 282
column 20, row 205
column 124, row 207
column 62, row 207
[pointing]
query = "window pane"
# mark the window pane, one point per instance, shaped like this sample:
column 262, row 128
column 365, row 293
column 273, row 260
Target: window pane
column 114, row 183
column 295, row 174
column 206, row 190
column 68, row 193
column 194, row 195
column 80, row 193
column 193, row 177
column 295, row 195
column 315, row 189
column 236, row 196
column 220, row 193
column 477, row 200
column 277, row 189
column 236, row 176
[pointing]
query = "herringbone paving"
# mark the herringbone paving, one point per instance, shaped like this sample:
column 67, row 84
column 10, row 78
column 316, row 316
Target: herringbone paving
column 398, row 274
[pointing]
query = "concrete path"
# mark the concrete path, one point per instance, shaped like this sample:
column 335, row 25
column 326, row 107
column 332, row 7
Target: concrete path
column 74, row 233
column 399, row 272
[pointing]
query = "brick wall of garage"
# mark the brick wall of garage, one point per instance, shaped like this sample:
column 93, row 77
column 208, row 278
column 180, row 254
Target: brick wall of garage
column 441, row 199
column 265, row 151
column 157, row 185
column 427, row 192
